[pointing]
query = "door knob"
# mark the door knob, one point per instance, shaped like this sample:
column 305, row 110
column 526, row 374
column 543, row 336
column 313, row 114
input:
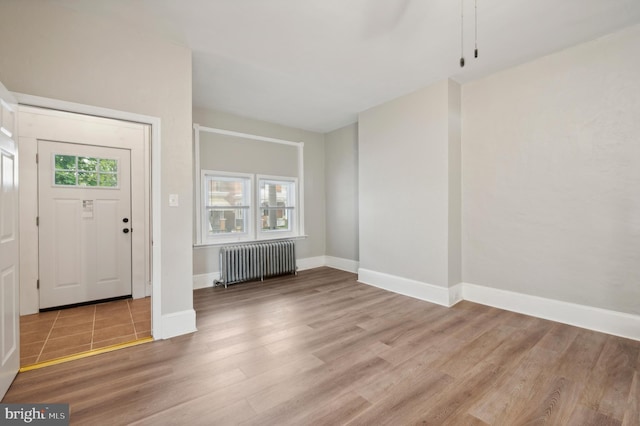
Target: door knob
column 125, row 230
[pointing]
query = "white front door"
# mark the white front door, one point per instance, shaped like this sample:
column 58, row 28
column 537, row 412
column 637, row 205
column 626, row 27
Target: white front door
column 84, row 210
column 9, row 250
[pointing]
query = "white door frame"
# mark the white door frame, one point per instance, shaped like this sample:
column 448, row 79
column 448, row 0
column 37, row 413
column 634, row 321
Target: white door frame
column 9, row 266
column 156, row 194
column 56, row 126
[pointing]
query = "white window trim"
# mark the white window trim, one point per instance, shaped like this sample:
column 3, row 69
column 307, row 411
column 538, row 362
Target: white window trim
column 276, row 234
column 198, row 178
column 232, row 237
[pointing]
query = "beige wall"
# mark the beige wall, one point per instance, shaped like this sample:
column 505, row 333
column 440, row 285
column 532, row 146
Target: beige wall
column 241, row 155
column 404, row 185
column 551, row 179
column 454, row 103
column 50, row 51
column 205, row 259
column 341, row 171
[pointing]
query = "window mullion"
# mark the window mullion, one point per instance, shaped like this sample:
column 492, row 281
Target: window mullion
column 223, row 219
column 76, row 172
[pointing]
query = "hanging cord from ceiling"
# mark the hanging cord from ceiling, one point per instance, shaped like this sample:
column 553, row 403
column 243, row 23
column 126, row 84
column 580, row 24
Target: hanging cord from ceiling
column 461, row 33
column 475, row 52
column 475, row 3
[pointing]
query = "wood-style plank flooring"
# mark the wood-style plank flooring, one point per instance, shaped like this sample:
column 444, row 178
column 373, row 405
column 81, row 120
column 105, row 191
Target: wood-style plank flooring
column 322, row 349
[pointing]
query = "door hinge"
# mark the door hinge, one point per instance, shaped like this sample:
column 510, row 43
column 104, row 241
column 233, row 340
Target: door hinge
column 36, row 158
column 37, row 220
column 38, row 284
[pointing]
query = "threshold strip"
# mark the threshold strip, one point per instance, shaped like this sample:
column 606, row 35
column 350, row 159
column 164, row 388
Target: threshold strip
column 85, row 354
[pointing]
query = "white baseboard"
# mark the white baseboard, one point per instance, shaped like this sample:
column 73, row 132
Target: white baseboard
column 178, row 323
column 205, row 280
column 456, row 294
column 311, row 262
column 342, row 264
column 597, row 319
column 431, row 293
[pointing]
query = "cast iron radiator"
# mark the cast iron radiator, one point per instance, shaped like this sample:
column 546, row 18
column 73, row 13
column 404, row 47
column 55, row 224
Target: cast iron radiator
column 253, row 261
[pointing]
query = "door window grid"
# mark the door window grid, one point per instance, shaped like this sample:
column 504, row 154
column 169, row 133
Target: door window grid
column 78, row 171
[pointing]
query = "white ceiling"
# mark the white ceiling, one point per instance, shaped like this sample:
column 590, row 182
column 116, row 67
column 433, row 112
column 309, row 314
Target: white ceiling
column 316, row 64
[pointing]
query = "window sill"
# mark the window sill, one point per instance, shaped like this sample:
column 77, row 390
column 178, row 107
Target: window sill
column 226, row 243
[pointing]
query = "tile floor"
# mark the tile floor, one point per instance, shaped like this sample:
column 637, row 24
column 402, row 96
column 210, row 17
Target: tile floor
column 54, row 334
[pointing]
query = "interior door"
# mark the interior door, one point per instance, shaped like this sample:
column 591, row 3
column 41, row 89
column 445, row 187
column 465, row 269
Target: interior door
column 84, row 210
column 9, row 249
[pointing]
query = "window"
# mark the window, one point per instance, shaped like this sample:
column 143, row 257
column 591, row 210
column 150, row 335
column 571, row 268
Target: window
column 233, row 212
column 249, row 187
column 71, row 170
column 277, row 206
column 227, row 206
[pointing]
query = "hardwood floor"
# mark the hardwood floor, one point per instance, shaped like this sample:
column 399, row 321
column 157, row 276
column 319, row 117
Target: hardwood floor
column 321, row 348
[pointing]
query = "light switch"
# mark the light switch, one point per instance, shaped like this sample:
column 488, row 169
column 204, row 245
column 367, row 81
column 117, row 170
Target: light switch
column 173, row 200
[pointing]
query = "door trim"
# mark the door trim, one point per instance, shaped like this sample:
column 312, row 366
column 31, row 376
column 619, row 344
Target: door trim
column 10, row 265
column 156, row 194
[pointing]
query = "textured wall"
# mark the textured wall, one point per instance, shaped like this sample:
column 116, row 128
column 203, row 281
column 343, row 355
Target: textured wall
column 341, row 171
column 404, row 186
column 551, row 176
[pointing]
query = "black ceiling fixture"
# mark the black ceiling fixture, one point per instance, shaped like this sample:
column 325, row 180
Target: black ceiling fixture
column 461, row 33
column 475, row 52
column 475, row 6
